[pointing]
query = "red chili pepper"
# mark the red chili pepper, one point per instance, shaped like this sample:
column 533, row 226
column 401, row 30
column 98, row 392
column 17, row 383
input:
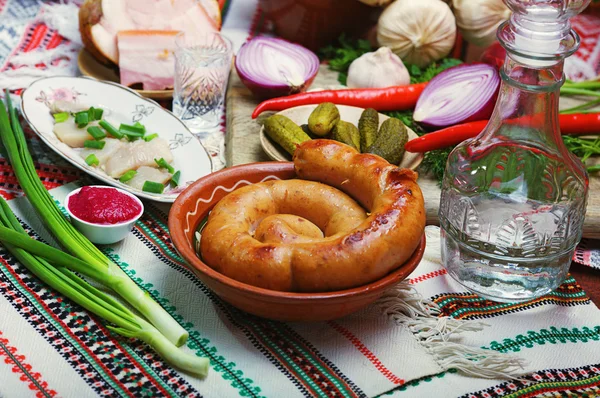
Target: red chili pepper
column 395, row 98
column 570, row 124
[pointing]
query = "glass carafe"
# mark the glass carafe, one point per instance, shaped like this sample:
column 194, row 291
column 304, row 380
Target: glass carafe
column 513, row 198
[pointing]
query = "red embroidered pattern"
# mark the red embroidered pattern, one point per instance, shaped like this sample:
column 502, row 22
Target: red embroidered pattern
column 34, row 379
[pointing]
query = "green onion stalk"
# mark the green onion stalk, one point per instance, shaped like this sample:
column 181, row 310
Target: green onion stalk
column 98, row 266
column 53, row 267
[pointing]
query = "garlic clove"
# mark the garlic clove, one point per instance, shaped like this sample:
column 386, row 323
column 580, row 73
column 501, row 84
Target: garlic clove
column 381, row 68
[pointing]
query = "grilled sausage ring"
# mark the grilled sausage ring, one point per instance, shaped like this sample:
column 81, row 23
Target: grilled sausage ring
column 357, row 248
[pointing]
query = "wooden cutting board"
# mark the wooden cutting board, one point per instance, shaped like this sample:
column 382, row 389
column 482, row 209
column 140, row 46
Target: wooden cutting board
column 242, row 145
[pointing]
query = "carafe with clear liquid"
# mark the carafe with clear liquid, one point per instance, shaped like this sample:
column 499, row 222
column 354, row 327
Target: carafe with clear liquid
column 513, row 198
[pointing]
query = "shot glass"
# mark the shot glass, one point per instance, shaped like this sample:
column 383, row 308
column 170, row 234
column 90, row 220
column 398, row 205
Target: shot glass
column 202, row 66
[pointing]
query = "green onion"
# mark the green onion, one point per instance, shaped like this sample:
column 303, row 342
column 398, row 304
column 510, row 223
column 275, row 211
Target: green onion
column 96, row 132
column 135, row 129
column 98, row 112
column 61, row 117
column 140, row 125
column 150, row 137
column 110, row 129
column 91, row 114
column 94, row 144
column 92, row 160
column 593, row 169
column 153, row 187
column 82, row 119
column 71, row 239
column 128, row 176
column 131, row 135
column 55, row 268
column 13, row 138
column 175, row 178
column 162, row 163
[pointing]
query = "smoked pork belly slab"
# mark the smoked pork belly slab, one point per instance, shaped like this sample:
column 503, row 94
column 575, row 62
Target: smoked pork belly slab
column 146, row 57
column 101, row 20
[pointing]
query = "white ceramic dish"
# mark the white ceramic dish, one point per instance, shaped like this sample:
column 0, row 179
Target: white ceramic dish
column 101, row 234
column 126, row 106
column 300, row 114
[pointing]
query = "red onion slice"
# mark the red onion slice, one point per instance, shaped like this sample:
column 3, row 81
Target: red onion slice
column 460, row 94
column 272, row 67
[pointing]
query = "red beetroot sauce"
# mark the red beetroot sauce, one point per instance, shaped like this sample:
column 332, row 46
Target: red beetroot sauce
column 103, row 206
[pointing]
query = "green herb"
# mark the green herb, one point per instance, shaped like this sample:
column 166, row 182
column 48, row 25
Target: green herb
column 162, row 163
column 94, row 144
column 92, row 160
column 175, row 178
column 96, row 132
column 153, row 187
column 341, row 55
column 128, row 176
column 98, row 112
column 110, row 129
column 150, row 137
column 61, row 117
column 82, row 119
column 422, row 75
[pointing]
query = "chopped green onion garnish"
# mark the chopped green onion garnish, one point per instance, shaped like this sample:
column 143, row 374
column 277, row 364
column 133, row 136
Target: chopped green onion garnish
column 61, row 117
column 153, row 187
column 98, row 113
column 131, row 136
column 150, row 137
column 175, row 178
column 139, row 129
column 110, row 129
column 92, row 160
column 140, row 125
column 128, row 176
column 162, row 163
column 96, row 132
column 91, row 114
column 94, row 144
column 82, row 119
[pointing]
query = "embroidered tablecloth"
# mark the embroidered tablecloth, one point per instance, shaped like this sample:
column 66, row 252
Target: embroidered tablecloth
column 429, row 337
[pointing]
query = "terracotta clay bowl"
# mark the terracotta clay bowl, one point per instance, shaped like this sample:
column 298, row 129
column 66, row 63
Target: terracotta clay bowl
column 190, row 210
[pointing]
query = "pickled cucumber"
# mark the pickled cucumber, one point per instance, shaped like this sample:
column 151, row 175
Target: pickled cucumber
column 390, row 141
column 346, row 133
column 368, row 125
column 323, row 118
column 285, row 132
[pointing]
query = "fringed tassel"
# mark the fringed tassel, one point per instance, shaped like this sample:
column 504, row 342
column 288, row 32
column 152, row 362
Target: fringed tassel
column 405, row 306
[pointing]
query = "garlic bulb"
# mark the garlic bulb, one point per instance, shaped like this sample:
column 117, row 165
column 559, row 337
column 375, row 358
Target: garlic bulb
column 418, row 31
column 381, row 68
column 376, row 3
column 478, row 20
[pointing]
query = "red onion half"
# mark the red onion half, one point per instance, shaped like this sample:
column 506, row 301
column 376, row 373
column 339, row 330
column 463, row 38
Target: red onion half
column 272, row 67
column 460, row 94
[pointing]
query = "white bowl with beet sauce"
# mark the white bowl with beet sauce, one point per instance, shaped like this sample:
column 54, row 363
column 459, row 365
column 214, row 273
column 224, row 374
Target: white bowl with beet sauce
column 103, row 214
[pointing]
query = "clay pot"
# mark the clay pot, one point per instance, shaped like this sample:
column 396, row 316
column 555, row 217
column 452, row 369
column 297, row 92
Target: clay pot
column 192, row 206
column 317, row 23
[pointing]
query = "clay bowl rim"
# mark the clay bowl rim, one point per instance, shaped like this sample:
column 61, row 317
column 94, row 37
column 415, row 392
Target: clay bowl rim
column 176, row 224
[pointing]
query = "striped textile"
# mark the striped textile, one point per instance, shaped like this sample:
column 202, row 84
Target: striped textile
column 50, row 346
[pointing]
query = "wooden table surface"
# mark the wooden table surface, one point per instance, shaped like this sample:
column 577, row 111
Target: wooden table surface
column 243, row 146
